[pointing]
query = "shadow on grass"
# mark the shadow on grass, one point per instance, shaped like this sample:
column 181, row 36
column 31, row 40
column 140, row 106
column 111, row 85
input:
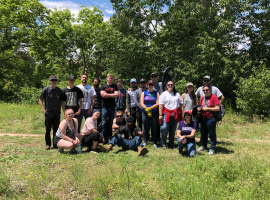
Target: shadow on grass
column 219, row 149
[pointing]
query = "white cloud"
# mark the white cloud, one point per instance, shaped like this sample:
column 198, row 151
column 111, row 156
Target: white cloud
column 109, row 11
column 103, row 5
column 105, row 19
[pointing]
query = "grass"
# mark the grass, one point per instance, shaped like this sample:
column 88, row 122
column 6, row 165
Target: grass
column 239, row 170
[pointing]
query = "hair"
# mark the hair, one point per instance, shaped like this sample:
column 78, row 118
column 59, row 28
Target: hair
column 65, row 117
column 193, row 95
column 109, row 75
column 190, row 118
column 96, row 79
column 119, row 111
column 174, row 90
column 84, row 74
column 207, row 86
column 120, row 80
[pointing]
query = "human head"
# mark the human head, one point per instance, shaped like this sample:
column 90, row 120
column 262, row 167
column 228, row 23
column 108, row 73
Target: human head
column 190, row 90
column 71, row 80
column 133, row 83
column 142, row 83
column 150, row 85
column 188, row 115
column 170, row 86
column 69, row 114
column 110, row 78
column 207, row 90
column 53, row 80
column 153, row 77
column 84, row 78
column 207, row 80
column 130, row 121
column 96, row 82
column 96, row 113
column 119, row 115
column 120, row 83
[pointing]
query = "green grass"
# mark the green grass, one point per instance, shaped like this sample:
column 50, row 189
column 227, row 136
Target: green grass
column 239, row 170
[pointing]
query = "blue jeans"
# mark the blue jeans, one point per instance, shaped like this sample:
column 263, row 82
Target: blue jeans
column 166, row 127
column 80, row 117
column 146, row 126
column 107, row 116
column 191, row 147
column 209, row 126
column 126, row 144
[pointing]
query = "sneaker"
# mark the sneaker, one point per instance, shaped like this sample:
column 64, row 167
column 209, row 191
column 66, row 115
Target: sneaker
column 155, row 146
column 60, row 150
column 142, row 151
column 202, row 148
column 180, row 152
column 144, row 144
column 211, row 152
column 164, row 147
column 96, row 150
column 73, row 151
column 47, row 147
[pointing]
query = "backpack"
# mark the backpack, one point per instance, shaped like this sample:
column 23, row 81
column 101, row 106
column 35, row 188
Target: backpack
column 219, row 114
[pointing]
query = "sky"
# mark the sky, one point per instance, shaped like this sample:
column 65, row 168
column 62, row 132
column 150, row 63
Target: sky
column 74, row 6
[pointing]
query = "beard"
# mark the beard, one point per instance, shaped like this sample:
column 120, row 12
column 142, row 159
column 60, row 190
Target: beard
column 96, row 85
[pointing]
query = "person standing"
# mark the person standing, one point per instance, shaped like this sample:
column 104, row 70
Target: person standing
column 154, row 77
column 170, row 113
column 73, row 97
column 137, row 97
column 122, row 94
column 189, row 97
column 52, row 96
column 149, row 102
column 98, row 98
column 132, row 108
column 109, row 92
column 88, row 100
column 207, row 81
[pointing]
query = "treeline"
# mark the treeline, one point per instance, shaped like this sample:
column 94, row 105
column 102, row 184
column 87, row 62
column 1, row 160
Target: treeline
column 228, row 40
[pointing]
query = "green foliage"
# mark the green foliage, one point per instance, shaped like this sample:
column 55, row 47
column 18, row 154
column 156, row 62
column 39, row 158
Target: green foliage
column 253, row 94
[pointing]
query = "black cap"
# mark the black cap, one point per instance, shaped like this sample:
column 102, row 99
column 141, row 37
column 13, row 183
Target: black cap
column 154, row 73
column 130, row 119
column 71, row 77
column 142, row 80
column 53, row 77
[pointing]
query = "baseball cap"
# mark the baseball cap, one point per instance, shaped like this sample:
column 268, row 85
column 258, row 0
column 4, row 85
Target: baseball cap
column 154, row 73
column 189, row 84
column 53, row 77
column 188, row 111
column 207, row 77
column 71, row 77
column 142, row 80
column 133, row 80
column 150, row 82
column 130, row 119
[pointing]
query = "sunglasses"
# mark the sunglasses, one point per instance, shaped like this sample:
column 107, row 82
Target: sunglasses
column 70, row 114
column 150, row 84
column 205, row 90
column 170, row 85
column 153, row 76
column 54, row 80
column 142, row 82
column 119, row 115
column 71, row 80
column 206, row 80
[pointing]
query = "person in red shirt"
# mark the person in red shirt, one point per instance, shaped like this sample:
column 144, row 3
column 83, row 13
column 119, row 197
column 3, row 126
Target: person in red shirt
column 209, row 105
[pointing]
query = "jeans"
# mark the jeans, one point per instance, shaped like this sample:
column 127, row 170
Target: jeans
column 51, row 122
column 191, row 147
column 107, row 121
column 209, row 126
column 83, row 114
column 125, row 143
column 146, row 126
column 166, row 127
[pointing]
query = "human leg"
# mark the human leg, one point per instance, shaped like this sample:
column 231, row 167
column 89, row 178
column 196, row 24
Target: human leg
column 172, row 128
column 211, row 125
column 191, row 149
column 204, row 132
column 56, row 122
column 180, row 145
column 64, row 144
column 154, row 125
column 163, row 131
column 139, row 118
column 146, row 121
column 48, row 125
column 104, row 121
column 80, row 117
column 111, row 113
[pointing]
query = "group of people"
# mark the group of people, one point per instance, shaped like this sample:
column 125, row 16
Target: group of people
column 116, row 116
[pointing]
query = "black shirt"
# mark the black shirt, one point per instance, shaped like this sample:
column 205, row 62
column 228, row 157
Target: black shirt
column 52, row 97
column 71, row 96
column 109, row 102
column 128, row 133
column 98, row 100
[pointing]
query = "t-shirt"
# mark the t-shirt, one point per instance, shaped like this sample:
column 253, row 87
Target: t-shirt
column 110, row 89
column 128, row 133
column 186, row 129
column 138, row 93
column 89, row 124
column 121, row 100
column 214, row 90
column 170, row 100
column 98, row 99
column 212, row 100
column 150, row 99
column 71, row 96
column 88, row 92
column 52, row 97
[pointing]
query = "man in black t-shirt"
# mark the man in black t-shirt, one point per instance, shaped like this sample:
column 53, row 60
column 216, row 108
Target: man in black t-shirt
column 52, row 110
column 108, row 92
column 129, row 138
column 98, row 98
column 72, row 95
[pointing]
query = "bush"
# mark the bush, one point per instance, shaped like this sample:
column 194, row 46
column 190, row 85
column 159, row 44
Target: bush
column 253, row 94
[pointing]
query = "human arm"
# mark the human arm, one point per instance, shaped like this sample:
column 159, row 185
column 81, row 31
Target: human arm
column 221, row 99
column 214, row 109
column 106, row 95
column 182, row 97
column 128, row 103
column 196, row 100
column 80, row 108
column 114, row 124
column 142, row 101
column 63, row 107
column 41, row 105
column 140, row 133
column 63, row 128
column 76, row 141
column 161, row 106
column 93, row 100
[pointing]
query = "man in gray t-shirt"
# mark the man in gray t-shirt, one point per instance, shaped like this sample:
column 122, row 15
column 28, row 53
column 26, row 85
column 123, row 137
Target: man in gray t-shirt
column 207, row 81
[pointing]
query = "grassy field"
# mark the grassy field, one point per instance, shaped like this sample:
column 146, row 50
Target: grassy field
column 239, row 170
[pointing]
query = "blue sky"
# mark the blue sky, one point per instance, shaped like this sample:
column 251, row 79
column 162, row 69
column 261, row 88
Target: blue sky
column 74, row 6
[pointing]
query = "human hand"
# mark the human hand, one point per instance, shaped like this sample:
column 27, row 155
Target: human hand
column 89, row 111
column 183, row 140
column 76, row 141
column 128, row 113
column 199, row 108
column 160, row 118
column 104, row 94
column 204, row 109
column 77, row 113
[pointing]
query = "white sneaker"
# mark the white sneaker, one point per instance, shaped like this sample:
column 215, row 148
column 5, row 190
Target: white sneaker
column 202, row 148
column 211, row 152
column 144, row 144
column 164, row 147
column 155, row 146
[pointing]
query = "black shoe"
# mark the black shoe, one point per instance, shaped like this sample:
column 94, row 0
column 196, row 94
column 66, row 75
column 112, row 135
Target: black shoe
column 96, row 150
column 171, row 146
column 180, row 152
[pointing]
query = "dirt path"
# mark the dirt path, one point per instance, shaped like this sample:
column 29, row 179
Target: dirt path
column 22, row 134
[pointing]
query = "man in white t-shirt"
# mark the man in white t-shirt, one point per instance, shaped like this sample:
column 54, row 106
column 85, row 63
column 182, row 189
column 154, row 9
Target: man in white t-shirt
column 207, row 81
column 88, row 101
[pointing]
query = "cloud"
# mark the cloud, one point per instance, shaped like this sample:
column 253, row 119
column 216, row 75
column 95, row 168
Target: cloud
column 106, row 18
column 103, row 5
column 109, row 11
